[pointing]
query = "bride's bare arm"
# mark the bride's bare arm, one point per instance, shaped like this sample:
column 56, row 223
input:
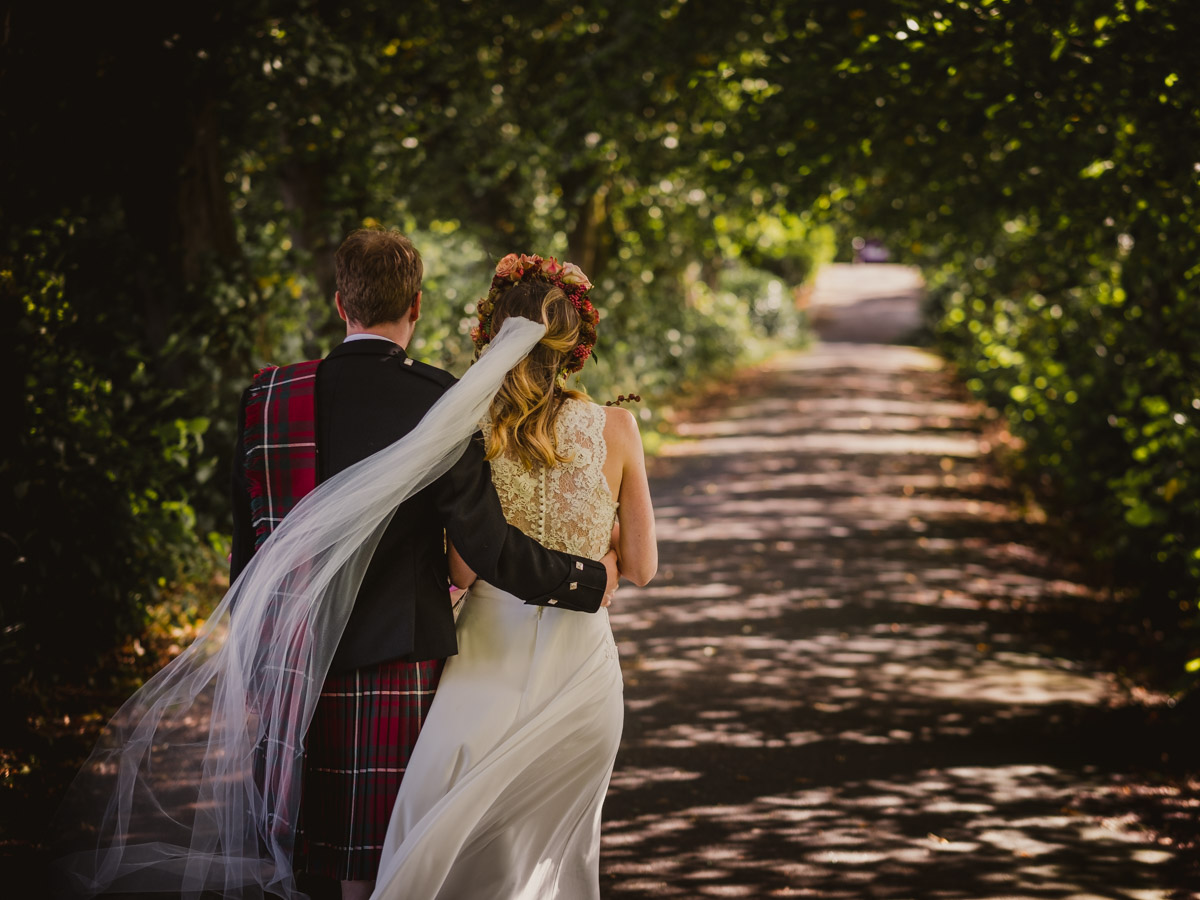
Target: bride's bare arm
column 634, row 539
column 461, row 575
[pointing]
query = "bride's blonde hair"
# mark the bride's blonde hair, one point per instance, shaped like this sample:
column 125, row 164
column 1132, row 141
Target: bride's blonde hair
column 526, row 407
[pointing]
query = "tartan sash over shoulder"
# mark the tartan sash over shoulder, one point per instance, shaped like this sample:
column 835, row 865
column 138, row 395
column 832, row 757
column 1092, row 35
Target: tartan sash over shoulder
column 280, row 440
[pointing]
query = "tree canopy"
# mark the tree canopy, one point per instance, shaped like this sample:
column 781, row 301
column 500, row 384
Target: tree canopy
column 175, row 184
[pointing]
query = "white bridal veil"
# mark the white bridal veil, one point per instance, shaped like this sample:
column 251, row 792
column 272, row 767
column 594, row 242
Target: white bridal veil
column 195, row 784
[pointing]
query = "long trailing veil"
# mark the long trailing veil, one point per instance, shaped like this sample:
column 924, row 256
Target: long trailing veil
column 195, row 784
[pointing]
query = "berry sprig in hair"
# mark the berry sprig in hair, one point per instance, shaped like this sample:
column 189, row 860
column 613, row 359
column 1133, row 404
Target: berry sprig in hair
column 632, row 398
column 567, row 277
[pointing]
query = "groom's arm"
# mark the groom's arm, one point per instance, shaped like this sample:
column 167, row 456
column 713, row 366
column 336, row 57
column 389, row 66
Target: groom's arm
column 504, row 555
column 243, row 524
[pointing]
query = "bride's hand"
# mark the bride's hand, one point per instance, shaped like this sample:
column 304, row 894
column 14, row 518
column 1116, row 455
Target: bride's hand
column 614, row 575
column 462, row 576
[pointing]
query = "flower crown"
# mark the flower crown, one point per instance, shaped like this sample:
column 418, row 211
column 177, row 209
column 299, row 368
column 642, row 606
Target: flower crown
column 568, row 278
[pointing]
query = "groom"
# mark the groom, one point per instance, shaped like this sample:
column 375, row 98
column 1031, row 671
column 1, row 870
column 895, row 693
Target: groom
column 304, row 423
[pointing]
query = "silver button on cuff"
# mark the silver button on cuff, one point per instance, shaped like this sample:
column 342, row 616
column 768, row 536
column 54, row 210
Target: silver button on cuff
column 574, row 585
column 579, row 565
column 552, row 601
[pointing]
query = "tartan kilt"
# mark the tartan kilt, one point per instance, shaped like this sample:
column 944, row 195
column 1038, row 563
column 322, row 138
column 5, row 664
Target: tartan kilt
column 362, row 733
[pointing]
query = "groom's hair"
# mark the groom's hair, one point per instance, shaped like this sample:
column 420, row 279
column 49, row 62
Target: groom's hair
column 378, row 275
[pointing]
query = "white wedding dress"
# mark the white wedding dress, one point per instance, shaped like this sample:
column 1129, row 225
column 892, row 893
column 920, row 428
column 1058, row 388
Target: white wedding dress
column 502, row 796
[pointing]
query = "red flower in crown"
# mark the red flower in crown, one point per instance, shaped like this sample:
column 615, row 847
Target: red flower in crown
column 510, row 268
column 567, row 277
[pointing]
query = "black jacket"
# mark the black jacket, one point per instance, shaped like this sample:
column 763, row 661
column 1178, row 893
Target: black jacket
column 368, row 395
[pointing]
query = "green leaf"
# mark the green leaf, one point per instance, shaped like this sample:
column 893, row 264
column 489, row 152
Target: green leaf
column 1140, row 516
column 1156, row 406
column 1096, row 169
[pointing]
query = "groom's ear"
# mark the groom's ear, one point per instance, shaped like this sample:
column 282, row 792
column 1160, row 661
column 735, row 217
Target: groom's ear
column 414, row 311
column 337, row 301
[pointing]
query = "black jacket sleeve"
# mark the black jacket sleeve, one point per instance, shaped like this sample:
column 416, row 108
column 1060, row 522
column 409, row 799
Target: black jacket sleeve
column 243, row 525
column 501, row 553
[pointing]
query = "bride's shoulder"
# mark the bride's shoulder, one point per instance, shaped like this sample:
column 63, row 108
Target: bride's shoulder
column 608, row 417
column 620, row 426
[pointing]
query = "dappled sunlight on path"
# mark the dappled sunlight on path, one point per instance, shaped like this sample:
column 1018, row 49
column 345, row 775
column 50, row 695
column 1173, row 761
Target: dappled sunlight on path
column 831, row 689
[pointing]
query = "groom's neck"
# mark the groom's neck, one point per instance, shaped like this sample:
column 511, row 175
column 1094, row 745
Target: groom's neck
column 400, row 332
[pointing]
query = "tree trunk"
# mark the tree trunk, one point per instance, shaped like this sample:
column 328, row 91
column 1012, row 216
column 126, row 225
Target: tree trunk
column 589, row 245
column 302, row 185
column 206, row 227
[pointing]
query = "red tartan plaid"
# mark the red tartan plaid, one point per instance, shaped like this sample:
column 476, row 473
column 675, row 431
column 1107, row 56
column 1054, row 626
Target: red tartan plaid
column 280, row 437
column 366, row 721
column 362, row 734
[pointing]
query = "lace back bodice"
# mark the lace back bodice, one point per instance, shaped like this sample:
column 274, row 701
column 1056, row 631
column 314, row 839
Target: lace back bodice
column 569, row 506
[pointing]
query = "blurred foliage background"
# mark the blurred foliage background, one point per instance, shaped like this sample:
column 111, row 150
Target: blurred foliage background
column 174, row 184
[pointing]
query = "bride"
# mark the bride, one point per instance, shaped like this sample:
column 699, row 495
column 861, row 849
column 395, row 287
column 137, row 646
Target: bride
column 503, row 791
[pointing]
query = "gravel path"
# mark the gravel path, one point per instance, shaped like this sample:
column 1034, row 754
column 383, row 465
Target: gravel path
column 857, row 673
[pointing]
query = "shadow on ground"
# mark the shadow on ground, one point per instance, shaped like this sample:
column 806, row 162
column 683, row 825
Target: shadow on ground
column 858, row 673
